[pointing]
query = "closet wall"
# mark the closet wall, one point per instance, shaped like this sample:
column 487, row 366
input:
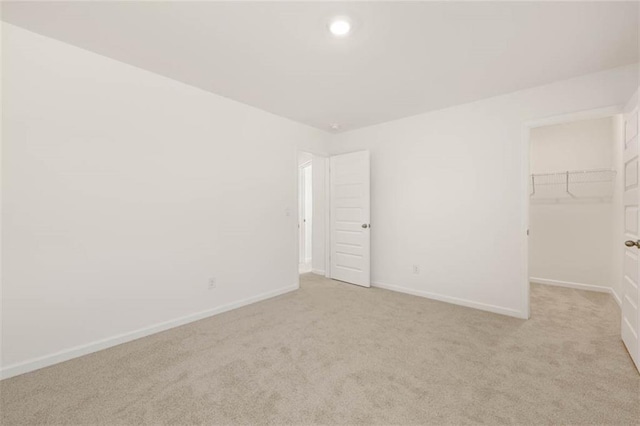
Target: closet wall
column 572, row 235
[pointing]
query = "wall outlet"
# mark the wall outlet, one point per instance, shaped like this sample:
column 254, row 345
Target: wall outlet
column 212, row 283
column 416, row 269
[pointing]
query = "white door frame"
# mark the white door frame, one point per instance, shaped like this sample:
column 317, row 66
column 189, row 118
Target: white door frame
column 302, row 232
column 327, row 211
column 302, row 213
column 591, row 114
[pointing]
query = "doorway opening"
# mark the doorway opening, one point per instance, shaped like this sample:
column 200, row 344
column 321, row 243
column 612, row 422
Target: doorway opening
column 333, row 226
column 305, row 212
column 312, row 171
column 575, row 202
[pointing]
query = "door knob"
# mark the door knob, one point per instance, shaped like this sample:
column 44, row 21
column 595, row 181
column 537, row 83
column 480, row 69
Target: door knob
column 630, row 243
column 365, row 225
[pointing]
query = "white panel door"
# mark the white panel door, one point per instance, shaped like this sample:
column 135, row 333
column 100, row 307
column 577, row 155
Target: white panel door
column 631, row 265
column 350, row 220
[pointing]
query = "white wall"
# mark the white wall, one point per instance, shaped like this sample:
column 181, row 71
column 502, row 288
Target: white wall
column 124, row 192
column 448, row 191
column 1, row 186
column 583, row 144
column 304, row 157
column 571, row 239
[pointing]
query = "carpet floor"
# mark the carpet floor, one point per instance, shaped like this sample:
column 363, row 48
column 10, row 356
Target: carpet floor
column 336, row 353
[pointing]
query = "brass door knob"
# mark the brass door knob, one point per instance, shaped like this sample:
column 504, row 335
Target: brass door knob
column 630, row 243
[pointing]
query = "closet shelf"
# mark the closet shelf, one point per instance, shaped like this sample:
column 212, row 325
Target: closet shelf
column 573, row 183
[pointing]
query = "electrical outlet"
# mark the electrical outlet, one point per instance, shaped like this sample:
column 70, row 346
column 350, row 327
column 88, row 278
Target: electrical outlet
column 212, row 283
column 416, row 269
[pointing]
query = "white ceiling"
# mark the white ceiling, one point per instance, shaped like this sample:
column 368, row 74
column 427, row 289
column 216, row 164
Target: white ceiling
column 401, row 59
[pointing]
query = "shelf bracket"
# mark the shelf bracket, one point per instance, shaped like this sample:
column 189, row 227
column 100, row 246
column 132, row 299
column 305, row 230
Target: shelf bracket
column 567, row 183
column 533, row 185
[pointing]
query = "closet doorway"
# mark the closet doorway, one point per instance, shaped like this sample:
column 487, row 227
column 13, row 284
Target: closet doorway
column 575, row 207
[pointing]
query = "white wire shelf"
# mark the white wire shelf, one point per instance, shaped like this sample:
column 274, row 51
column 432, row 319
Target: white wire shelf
column 594, row 183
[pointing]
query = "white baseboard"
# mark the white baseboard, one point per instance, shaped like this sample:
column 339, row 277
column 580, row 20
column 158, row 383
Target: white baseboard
column 569, row 284
column 78, row 351
column 318, row 271
column 454, row 300
column 617, row 298
column 578, row 286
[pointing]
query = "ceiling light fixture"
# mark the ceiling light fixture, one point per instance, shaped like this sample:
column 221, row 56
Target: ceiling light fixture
column 340, row 27
column 334, row 126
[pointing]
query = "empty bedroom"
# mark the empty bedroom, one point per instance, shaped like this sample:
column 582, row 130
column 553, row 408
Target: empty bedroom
column 320, row 212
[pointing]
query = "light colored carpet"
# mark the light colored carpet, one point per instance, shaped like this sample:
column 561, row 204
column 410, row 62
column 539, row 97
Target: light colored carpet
column 337, row 353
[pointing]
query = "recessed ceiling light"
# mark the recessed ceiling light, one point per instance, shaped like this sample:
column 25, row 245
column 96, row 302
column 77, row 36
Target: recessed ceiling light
column 334, row 126
column 340, row 27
